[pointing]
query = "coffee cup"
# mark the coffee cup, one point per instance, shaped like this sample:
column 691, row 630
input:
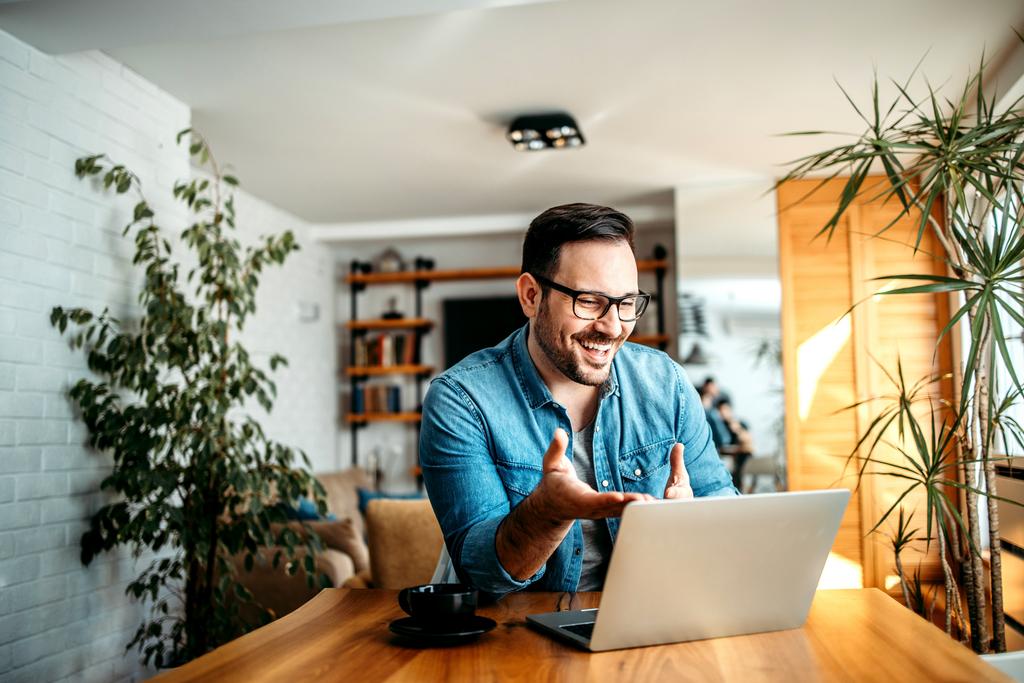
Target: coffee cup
column 437, row 603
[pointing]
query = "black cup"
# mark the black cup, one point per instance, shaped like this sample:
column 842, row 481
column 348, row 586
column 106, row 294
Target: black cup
column 438, row 603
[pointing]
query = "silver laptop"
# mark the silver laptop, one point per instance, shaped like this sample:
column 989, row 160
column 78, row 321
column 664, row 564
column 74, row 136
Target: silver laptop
column 706, row 568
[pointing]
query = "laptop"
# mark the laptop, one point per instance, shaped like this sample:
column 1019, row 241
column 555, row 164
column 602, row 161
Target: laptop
column 707, row 568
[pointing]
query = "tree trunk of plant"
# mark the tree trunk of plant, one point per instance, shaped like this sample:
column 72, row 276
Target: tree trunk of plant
column 996, row 561
column 985, row 385
column 976, row 431
column 964, row 559
column 192, row 605
column 947, row 577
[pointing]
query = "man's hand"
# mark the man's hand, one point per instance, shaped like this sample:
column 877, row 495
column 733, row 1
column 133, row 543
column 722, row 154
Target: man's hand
column 678, row 481
column 562, row 497
column 534, row 528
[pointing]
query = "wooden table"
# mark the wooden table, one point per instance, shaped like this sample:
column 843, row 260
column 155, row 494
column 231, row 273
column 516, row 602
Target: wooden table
column 342, row 634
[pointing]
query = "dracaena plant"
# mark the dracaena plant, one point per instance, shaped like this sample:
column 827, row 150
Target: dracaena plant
column 195, row 480
column 957, row 167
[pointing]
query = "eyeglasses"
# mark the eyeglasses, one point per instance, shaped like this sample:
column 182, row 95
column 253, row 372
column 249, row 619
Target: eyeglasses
column 595, row 305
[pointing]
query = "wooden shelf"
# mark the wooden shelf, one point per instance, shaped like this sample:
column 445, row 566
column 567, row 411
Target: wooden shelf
column 375, row 370
column 408, row 276
column 363, row 418
column 649, row 339
column 393, row 324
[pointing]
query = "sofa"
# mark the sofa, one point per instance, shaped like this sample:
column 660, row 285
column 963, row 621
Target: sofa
column 396, row 545
column 345, row 551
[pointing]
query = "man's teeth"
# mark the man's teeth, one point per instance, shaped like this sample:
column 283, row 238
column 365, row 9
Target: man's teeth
column 595, row 347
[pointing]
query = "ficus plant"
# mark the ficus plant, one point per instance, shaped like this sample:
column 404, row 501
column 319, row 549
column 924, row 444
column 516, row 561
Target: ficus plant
column 196, row 482
column 956, row 167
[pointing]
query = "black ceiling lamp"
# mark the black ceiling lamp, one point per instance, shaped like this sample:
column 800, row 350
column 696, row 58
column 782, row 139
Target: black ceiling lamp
column 533, row 132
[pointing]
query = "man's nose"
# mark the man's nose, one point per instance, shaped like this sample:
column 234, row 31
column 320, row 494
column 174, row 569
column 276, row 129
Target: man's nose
column 609, row 324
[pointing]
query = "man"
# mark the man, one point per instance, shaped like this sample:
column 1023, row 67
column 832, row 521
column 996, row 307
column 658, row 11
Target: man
column 709, row 396
column 523, row 504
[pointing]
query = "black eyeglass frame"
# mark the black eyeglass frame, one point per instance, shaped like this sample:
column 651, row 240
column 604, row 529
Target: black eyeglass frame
column 642, row 299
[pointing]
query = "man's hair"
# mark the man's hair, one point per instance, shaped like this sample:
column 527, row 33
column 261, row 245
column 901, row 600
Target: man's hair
column 569, row 223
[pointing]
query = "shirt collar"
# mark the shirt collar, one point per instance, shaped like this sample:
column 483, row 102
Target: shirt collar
column 536, row 392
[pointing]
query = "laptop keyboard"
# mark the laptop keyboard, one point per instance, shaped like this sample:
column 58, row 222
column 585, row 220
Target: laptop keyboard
column 585, row 630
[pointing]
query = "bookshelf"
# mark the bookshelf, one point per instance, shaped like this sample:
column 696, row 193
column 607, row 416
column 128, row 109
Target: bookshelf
column 364, row 367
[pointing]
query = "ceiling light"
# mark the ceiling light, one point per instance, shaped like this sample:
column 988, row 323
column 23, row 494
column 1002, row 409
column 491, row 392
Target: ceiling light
column 560, row 131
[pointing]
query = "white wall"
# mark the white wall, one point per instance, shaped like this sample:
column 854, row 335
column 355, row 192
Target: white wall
column 60, row 244
column 304, row 411
column 727, row 254
column 397, row 443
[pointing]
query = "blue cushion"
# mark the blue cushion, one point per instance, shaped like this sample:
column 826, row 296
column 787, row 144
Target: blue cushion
column 306, row 511
column 366, row 496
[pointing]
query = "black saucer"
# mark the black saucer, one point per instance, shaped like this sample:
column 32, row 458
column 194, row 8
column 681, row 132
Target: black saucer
column 461, row 631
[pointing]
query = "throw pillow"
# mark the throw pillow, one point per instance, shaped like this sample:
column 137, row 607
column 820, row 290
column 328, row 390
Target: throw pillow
column 366, row 496
column 341, row 535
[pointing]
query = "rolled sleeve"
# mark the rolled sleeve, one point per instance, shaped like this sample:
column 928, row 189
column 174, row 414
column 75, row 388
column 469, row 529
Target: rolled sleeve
column 464, row 488
column 480, row 558
column 708, row 476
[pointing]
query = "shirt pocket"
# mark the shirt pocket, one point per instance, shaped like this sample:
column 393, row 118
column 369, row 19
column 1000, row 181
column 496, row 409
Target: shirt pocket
column 519, row 480
column 646, row 469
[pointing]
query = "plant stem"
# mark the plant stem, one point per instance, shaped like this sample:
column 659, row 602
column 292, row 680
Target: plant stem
column 903, row 580
column 984, row 382
column 978, row 623
column 996, row 560
column 947, row 578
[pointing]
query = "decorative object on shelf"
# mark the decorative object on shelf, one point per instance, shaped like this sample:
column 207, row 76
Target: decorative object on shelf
column 392, row 313
column 534, row 132
column 389, row 261
column 166, row 399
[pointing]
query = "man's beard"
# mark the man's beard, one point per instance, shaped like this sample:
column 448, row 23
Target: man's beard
column 564, row 359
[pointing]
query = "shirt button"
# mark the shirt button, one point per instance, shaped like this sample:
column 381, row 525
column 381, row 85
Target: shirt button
column 576, row 552
column 638, row 471
column 604, row 483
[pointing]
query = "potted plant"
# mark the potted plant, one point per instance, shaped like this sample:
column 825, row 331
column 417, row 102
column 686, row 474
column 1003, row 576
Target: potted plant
column 959, row 165
column 195, row 479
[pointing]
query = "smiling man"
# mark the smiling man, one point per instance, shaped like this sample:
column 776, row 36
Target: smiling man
column 531, row 449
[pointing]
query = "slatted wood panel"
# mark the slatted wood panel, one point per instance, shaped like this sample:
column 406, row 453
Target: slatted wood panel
column 818, row 362
column 829, row 358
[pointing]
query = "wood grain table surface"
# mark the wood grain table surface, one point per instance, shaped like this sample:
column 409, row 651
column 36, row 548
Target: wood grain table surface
column 342, row 635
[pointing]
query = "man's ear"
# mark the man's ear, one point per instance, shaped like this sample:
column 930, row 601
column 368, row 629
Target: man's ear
column 529, row 292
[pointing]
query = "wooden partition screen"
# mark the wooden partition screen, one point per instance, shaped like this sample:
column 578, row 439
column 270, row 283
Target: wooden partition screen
column 833, row 359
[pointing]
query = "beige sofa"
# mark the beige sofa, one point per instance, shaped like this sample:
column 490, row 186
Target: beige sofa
column 345, row 551
column 402, row 545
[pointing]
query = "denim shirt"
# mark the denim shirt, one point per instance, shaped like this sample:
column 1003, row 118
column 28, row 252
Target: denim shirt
column 488, row 420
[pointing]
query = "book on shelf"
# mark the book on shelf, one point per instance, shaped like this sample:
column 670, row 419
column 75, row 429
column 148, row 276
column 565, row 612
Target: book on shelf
column 385, row 350
column 376, row 398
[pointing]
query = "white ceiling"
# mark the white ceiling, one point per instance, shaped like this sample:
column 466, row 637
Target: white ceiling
column 360, row 112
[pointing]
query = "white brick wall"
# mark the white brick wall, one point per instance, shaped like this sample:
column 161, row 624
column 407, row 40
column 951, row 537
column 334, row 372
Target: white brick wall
column 60, row 244
column 305, row 410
